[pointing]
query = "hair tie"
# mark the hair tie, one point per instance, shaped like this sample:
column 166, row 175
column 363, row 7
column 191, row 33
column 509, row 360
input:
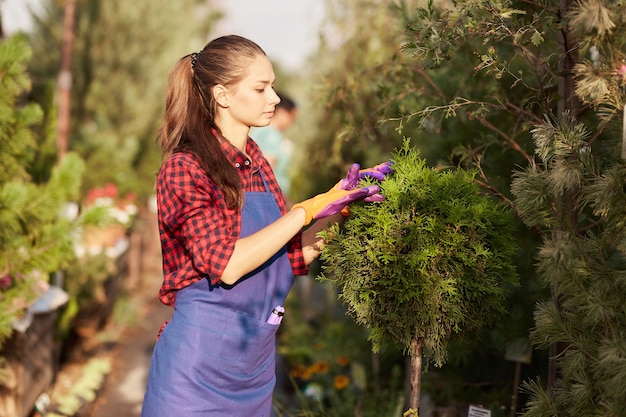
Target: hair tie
column 194, row 59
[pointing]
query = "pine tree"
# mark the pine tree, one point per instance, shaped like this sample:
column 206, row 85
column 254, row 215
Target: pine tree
column 574, row 193
column 577, row 199
column 35, row 239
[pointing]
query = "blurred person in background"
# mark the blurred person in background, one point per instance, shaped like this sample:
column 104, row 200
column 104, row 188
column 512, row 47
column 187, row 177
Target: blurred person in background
column 230, row 247
column 278, row 148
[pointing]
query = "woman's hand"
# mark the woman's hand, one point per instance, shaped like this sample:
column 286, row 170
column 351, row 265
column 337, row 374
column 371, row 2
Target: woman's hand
column 334, row 200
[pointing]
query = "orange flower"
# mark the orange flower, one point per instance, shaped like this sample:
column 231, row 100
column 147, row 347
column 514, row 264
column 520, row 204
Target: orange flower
column 318, row 346
column 306, row 374
column 297, row 371
column 340, row 382
column 320, row 367
column 343, row 361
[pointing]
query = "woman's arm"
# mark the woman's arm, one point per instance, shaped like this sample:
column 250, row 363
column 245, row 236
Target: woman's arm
column 251, row 251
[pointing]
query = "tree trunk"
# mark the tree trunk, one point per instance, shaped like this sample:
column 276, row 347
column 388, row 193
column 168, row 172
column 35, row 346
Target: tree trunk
column 64, row 83
column 376, row 372
column 416, row 377
column 568, row 56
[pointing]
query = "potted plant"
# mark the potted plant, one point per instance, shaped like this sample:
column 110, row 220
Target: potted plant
column 429, row 262
column 108, row 235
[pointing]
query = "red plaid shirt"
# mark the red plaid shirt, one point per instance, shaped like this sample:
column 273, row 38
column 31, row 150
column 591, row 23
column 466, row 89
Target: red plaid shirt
column 198, row 232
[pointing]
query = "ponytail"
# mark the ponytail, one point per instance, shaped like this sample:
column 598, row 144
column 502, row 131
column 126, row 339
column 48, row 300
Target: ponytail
column 188, row 126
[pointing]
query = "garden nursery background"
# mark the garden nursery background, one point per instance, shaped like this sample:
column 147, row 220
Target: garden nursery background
column 490, row 280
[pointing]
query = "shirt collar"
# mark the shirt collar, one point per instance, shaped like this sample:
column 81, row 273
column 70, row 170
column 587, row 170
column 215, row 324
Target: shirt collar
column 238, row 158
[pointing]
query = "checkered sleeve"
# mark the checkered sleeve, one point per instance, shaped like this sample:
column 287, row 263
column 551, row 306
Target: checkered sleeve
column 296, row 257
column 202, row 231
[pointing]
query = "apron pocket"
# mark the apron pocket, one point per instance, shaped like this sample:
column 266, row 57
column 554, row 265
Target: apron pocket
column 246, row 344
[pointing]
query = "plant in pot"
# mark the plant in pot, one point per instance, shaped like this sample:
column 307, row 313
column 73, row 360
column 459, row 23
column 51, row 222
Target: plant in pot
column 430, row 262
column 113, row 229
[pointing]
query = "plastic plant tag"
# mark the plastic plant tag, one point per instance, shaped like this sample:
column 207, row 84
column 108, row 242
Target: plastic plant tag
column 477, row 411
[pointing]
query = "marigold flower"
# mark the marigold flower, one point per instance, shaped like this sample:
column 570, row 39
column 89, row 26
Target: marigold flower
column 343, row 361
column 340, row 382
column 297, row 371
column 306, row 374
column 320, row 367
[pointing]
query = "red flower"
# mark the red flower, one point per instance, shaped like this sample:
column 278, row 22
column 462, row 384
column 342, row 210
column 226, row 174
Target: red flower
column 5, row 282
column 110, row 190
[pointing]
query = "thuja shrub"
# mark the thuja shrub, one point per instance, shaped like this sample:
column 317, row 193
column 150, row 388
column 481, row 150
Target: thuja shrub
column 431, row 261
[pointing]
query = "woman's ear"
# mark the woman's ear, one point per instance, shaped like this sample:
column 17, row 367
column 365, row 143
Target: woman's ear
column 220, row 94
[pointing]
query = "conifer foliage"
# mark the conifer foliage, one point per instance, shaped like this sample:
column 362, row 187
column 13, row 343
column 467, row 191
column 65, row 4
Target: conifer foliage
column 574, row 195
column 572, row 191
column 501, row 79
column 579, row 203
column 35, row 240
column 429, row 262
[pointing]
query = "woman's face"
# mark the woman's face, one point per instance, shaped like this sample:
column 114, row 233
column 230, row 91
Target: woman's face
column 251, row 101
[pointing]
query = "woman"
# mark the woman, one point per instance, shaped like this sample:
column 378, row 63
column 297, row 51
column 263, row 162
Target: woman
column 230, row 249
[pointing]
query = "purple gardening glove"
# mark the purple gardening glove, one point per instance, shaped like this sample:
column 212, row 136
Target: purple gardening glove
column 355, row 175
column 335, row 200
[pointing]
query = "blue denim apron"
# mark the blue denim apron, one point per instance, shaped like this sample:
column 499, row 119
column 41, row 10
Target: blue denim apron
column 215, row 357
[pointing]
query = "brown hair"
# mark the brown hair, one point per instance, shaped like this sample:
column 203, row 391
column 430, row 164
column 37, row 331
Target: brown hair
column 190, row 108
